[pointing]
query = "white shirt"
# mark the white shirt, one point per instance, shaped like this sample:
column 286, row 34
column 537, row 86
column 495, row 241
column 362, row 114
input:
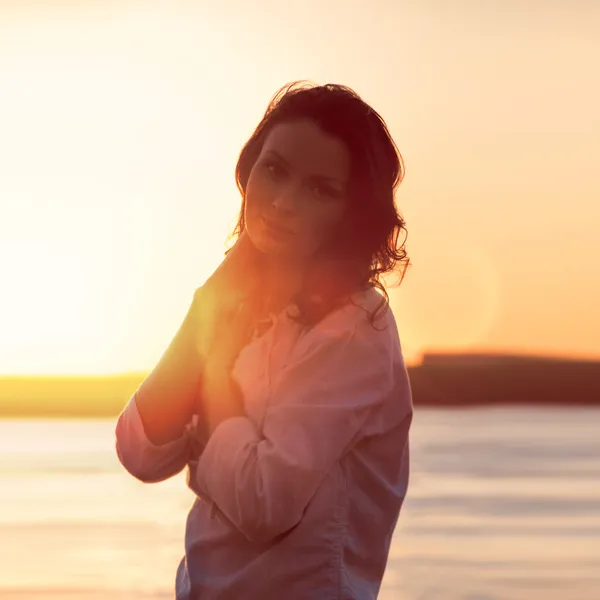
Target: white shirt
column 298, row 498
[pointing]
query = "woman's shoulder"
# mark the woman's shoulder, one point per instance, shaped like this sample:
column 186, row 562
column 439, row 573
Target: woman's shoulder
column 364, row 314
column 352, row 341
column 358, row 310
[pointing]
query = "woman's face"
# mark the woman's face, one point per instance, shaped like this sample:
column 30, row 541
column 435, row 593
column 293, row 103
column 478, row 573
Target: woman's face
column 296, row 191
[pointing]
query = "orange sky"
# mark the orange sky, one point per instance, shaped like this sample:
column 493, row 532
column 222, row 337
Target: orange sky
column 121, row 122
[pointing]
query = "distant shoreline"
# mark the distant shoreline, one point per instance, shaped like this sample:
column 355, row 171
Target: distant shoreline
column 444, row 380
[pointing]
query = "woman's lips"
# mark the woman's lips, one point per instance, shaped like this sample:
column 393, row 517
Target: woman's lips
column 276, row 229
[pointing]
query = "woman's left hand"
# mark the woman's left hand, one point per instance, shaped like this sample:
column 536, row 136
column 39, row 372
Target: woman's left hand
column 221, row 397
column 232, row 333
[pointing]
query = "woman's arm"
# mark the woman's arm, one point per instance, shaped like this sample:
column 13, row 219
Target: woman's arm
column 168, row 397
column 154, row 438
column 158, row 431
column 172, row 392
column 143, row 459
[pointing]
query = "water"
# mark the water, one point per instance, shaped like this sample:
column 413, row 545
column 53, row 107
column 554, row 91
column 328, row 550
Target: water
column 504, row 504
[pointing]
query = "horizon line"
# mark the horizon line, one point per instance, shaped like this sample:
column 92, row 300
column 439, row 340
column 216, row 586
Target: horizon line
column 424, row 359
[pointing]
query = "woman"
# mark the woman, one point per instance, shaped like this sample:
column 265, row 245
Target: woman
column 284, row 392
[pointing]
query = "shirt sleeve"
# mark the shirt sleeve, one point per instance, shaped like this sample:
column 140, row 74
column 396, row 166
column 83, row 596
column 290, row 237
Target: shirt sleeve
column 146, row 461
column 263, row 481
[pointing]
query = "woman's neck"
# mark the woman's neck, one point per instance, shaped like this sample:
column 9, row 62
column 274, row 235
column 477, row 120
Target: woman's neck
column 281, row 284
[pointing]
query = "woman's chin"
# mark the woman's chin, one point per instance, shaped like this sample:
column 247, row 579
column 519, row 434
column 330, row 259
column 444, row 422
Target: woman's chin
column 268, row 245
column 280, row 252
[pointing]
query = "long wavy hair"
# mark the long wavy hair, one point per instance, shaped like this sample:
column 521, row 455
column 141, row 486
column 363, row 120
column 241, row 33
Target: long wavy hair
column 365, row 246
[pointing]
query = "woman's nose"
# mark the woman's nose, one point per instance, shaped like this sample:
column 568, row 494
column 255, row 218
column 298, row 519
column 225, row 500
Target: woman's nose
column 286, row 199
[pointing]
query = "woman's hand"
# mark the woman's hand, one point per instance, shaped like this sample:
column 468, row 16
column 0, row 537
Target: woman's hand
column 225, row 326
column 232, row 332
column 221, row 398
column 237, row 273
column 223, row 294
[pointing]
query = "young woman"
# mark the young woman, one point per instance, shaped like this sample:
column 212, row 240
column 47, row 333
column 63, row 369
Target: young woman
column 284, row 392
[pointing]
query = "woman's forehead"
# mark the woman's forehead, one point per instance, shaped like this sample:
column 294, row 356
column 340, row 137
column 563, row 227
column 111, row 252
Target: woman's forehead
column 309, row 150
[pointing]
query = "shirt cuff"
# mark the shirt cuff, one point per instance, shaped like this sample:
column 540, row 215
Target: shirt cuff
column 147, row 461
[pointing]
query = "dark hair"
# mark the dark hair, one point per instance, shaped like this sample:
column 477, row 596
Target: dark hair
column 365, row 245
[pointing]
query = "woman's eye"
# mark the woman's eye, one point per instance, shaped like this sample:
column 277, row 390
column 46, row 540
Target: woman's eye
column 274, row 170
column 324, row 192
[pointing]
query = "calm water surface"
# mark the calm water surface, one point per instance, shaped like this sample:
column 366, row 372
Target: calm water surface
column 504, row 504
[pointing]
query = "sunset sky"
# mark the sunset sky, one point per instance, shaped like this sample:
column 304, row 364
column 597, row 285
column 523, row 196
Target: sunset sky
column 121, row 122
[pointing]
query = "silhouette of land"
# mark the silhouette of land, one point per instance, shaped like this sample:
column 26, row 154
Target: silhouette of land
column 482, row 379
column 440, row 380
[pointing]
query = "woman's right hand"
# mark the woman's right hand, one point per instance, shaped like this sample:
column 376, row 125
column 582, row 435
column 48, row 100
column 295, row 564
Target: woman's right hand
column 237, row 272
column 230, row 285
